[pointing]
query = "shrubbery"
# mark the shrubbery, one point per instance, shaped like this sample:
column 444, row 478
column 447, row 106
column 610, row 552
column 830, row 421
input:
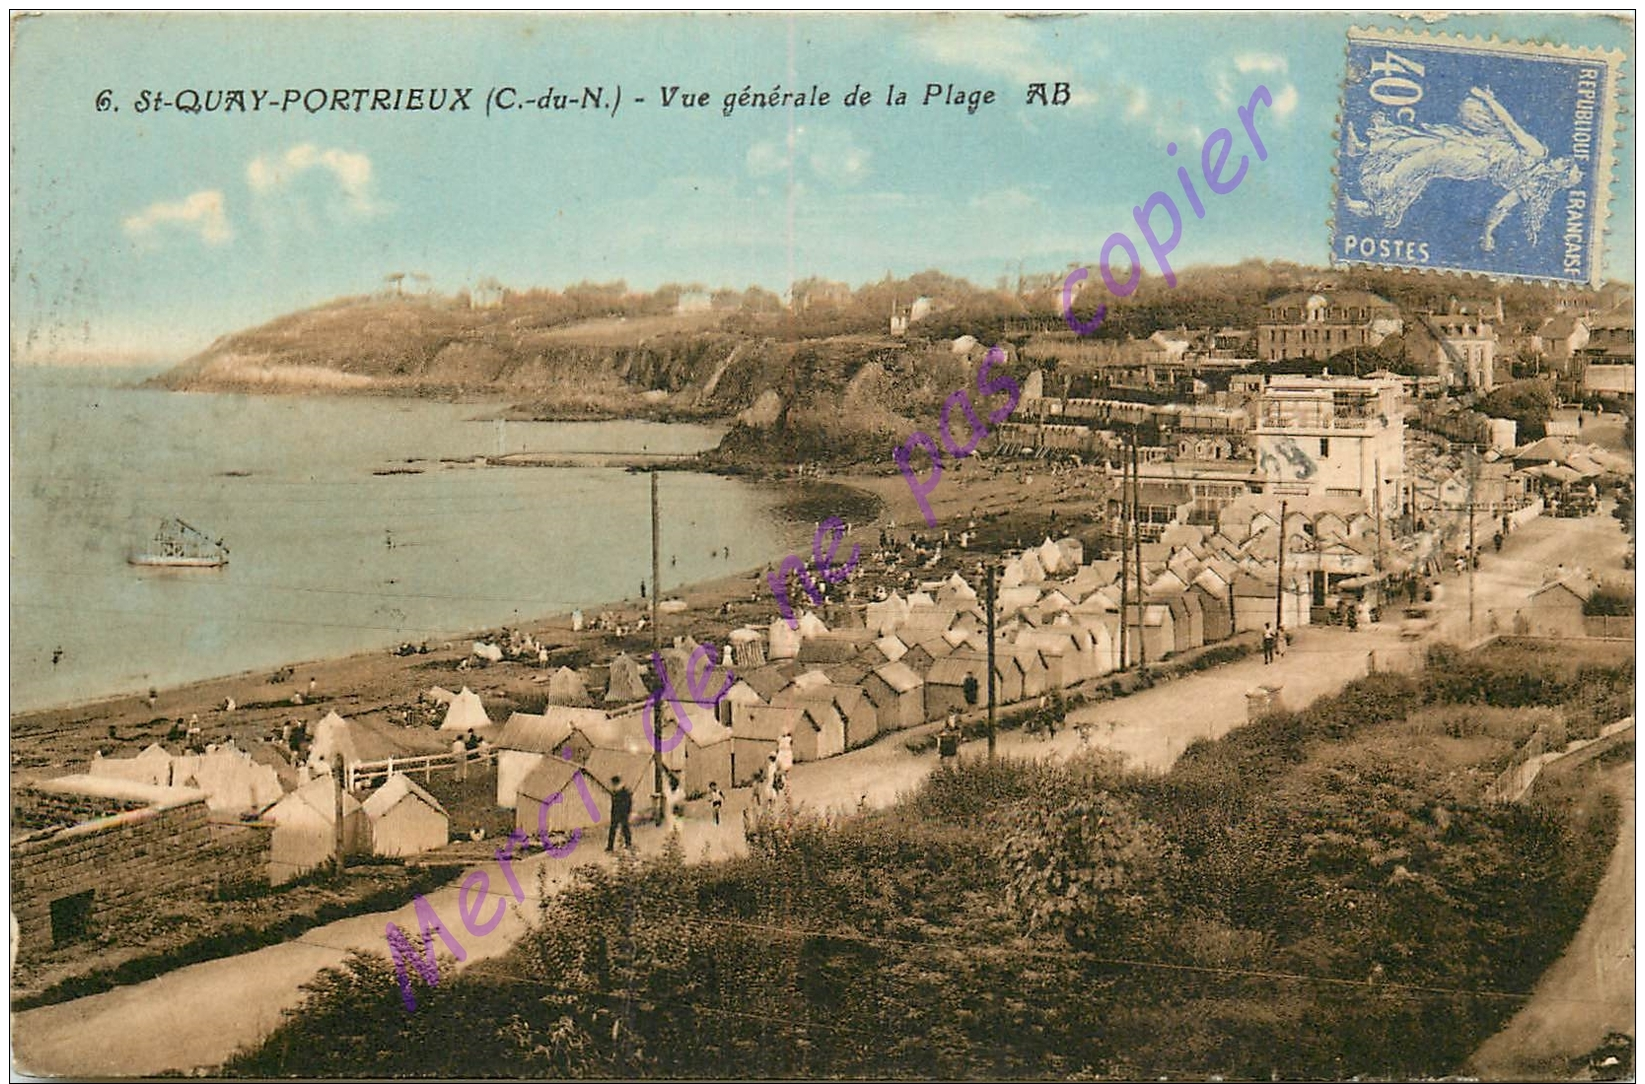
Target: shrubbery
column 1299, row 897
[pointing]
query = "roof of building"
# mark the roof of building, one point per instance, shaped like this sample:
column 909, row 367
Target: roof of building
column 1336, row 298
column 389, row 795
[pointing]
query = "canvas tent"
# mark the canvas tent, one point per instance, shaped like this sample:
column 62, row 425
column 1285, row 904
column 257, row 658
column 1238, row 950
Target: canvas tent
column 405, row 819
column 465, row 713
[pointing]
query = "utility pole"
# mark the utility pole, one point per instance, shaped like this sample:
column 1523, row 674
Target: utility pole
column 993, row 569
column 656, row 649
column 1125, row 557
column 1136, row 525
column 337, row 810
column 1279, row 578
column 1473, row 480
column 1377, row 463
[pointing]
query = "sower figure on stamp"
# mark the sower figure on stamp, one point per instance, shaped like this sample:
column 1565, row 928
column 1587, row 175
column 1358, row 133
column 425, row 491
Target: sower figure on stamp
column 1400, row 161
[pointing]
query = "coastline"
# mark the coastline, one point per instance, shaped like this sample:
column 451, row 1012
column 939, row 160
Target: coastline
column 1009, row 502
column 371, row 680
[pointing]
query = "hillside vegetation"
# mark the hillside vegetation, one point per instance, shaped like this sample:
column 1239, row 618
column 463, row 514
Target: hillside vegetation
column 824, row 379
column 1320, row 895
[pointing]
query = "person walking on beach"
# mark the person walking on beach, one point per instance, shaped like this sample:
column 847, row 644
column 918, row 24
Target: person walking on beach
column 1279, row 642
column 716, row 799
column 1267, row 643
column 622, row 807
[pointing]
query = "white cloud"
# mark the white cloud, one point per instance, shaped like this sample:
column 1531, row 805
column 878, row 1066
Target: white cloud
column 830, row 152
column 1004, row 201
column 1137, row 105
column 202, row 213
column 1285, row 102
column 1004, row 47
column 1260, row 62
column 351, row 171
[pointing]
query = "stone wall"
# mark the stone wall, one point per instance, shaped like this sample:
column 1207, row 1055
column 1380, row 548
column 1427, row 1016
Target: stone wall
column 128, row 862
column 33, row 809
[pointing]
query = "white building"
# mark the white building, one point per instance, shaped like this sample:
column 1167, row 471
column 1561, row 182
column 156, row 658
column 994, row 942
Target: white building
column 1329, row 437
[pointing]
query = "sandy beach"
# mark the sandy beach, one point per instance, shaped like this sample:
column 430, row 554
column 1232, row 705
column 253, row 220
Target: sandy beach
column 1008, row 502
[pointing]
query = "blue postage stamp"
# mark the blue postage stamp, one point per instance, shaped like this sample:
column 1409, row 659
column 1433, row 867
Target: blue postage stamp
column 1476, row 156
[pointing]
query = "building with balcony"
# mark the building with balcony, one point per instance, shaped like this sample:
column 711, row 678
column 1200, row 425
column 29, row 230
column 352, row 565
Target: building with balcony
column 1462, row 349
column 1322, row 325
column 1332, row 437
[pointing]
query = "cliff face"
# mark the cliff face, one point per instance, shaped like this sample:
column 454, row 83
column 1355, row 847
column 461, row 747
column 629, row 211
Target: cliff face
column 836, row 398
column 613, row 365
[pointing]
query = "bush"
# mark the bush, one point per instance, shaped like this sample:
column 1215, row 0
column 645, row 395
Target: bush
column 1608, row 601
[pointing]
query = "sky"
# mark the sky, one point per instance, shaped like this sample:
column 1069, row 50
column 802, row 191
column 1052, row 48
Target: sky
column 152, row 232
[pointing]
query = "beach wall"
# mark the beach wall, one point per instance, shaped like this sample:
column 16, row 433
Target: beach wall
column 103, row 874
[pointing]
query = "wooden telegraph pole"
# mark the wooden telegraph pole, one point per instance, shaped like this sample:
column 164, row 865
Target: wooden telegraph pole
column 1125, row 556
column 656, row 648
column 1473, row 480
column 1279, row 580
column 337, row 810
column 1136, row 527
column 993, row 570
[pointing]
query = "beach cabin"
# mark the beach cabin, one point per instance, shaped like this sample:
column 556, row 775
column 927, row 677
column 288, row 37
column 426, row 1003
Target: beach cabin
column 624, row 683
column 305, row 823
column 755, row 729
column 1216, row 619
column 551, row 800
column 465, row 713
column 405, row 819
column 897, row 694
column 151, row 767
column 566, row 686
column 924, row 654
column 1187, row 622
column 861, row 719
column 705, row 752
column 1031, row 665
column 526, row 739
column 945, row 683
column 821, row 730
column 637, row 772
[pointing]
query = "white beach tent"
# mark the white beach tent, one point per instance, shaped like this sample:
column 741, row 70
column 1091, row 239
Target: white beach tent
column 466, row 712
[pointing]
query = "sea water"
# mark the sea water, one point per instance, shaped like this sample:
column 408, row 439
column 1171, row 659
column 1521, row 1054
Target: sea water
column 287, row 483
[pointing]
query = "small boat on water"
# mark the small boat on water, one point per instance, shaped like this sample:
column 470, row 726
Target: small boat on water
column 178, row 545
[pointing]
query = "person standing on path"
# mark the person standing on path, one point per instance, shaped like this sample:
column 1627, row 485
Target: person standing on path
column 1279, row 642
column 948, row 743
column 716, row 799
column 785, row 752
column 1267, row 643
column 622, row 807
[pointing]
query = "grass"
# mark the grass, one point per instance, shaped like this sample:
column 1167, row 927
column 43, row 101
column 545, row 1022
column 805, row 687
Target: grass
column 238, row 938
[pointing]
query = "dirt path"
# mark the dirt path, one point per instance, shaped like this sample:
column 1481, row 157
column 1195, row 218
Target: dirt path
column 1588, row 991
column 198, row 1016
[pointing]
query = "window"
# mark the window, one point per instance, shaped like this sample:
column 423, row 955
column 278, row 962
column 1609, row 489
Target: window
column 71, row 917
column 1325, row 447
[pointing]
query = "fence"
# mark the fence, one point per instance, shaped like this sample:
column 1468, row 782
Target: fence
column 1404, row 659
column 362, row 772
column 1533, row 760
